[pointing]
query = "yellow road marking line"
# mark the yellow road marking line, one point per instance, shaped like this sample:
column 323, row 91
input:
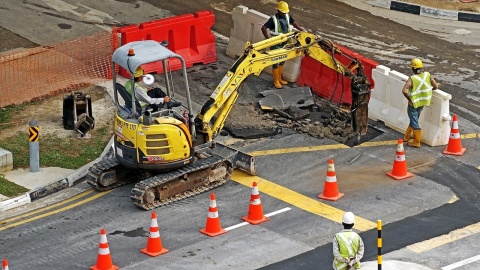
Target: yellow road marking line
column 379, row 143
column 336, row 147
column 299, row 200
column 298, row 149
column 470, row 136
column 55, row 211
column 445, row 239
column 85, row 193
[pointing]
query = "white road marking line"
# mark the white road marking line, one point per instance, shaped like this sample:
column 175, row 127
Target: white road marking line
column 267, row 215
column 461, row 263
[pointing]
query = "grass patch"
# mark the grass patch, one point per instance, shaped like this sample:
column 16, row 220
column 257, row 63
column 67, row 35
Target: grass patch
column 7, row 113
column 10, row 189
column 68, row 153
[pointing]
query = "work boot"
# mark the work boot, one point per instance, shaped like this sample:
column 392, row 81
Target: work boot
column 280, row 73
column 408, row 134
column 417, row 137
column 276, row 80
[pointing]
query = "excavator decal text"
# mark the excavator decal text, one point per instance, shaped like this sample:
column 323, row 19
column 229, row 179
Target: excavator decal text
column 279, row 58
column 126, row 125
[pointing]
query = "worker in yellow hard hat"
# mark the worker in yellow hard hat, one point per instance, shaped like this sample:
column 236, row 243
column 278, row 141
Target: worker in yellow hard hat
column 348, row 247
column 418, row 91
column 148, row 97
column 280, row 23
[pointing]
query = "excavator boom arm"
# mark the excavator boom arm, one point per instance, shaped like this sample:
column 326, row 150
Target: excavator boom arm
column 253, row 61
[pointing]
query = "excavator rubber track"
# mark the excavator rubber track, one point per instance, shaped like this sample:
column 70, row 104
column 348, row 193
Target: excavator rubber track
column 121, row 175
column 156, row 182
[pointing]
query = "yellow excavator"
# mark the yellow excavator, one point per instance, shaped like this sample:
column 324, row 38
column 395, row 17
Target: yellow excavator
column 171, row 155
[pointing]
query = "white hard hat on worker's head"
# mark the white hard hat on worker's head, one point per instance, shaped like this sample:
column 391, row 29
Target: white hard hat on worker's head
column 416, row 63
column 282, row 7
column 348, row 218
column 138, row 72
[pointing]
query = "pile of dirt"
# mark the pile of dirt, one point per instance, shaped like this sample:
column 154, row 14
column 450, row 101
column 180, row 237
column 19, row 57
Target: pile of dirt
column 321, row 120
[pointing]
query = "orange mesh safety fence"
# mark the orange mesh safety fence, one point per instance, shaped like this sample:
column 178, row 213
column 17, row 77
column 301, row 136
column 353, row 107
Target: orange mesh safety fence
column 35, row 73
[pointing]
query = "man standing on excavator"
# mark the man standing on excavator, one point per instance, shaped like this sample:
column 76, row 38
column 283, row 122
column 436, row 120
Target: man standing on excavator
column 418, row 91
column 279, row 23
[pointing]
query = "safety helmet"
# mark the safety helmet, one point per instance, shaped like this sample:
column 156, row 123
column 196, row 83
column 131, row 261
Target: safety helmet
column 138, row 72
column 283, row 7
column 348, row 218
column 416, row 63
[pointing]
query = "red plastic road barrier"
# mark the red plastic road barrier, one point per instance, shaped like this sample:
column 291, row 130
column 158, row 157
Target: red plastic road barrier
column 188, row 35
column 329, row 84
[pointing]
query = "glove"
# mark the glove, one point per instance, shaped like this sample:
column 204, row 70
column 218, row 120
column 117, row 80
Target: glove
column 166, row 99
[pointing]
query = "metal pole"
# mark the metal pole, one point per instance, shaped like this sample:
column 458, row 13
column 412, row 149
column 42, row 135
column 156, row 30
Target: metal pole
column 379, row 244
column 34, row 148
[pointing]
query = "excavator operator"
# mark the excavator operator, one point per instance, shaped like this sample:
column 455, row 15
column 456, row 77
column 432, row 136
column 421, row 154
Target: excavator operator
column 280, row 23
column 148, row 97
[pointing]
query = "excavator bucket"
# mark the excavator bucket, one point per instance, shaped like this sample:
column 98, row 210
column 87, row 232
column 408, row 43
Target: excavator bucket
column 239, row 159
column 360, row 96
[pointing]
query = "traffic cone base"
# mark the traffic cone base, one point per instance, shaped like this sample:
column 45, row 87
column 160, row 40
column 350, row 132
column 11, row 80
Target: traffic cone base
column 212, row 227
column 459, row 153
column 399, row 177
column 113, row 267
column 154, row 243
column 332, row 198
column 330, row 189
column 255, row 210
column 255, row 221
column 399, row 170
column 212, row 234
column 153, row 254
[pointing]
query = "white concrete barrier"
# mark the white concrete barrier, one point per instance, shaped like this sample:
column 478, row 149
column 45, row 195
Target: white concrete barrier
column 247, row 24
column 387, row 104
column 6, row 160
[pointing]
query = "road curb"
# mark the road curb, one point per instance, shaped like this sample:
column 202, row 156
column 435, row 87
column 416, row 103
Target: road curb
column 426, row 11
column 53, row 187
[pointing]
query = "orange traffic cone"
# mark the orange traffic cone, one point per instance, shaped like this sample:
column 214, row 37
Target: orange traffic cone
column 255, row 211
column 213, row 227
column 399, row 171
column 330, row 189
column 5, row 264
column 104, row 260
column 154, row 243
column 454, row 146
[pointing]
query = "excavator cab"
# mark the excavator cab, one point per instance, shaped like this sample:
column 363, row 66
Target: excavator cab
column 145, row 139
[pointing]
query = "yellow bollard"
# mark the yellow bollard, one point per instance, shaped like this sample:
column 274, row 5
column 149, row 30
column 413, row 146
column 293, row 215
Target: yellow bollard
column 379, row 244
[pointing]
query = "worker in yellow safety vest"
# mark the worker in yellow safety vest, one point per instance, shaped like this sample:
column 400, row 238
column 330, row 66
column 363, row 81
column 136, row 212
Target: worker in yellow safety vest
column 348, row 246
column 418, row 91
column 147, row 97
column 280, row 23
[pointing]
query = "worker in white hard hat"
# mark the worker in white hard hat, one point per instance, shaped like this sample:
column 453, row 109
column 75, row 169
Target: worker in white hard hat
column 348, row 246
column 280, row 23
column 148, row 97
column 418, row 91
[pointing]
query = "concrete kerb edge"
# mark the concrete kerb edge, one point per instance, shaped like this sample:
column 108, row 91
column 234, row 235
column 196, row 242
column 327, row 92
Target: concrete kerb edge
column 53, row 187
column 427, row 11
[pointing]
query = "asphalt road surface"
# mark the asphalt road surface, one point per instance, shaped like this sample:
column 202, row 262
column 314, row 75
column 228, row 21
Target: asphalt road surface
column 413, row 211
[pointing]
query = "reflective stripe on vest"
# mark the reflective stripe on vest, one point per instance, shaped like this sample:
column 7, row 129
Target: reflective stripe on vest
column 128, row 87
column 276, row 22
column 421, row 92
column 348, row 244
